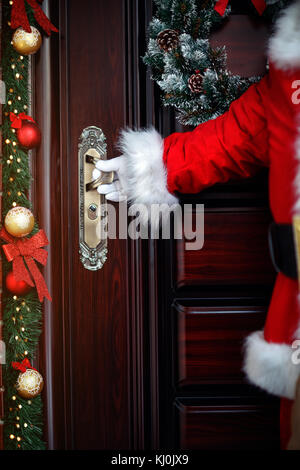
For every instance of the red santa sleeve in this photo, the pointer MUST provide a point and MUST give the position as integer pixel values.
(233, 145)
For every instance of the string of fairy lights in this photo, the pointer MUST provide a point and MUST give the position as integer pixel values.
(23, 419)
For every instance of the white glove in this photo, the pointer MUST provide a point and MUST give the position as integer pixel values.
(116, 191)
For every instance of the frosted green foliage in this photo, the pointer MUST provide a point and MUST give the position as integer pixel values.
(172, 82)
(194, 21)
(182, 14)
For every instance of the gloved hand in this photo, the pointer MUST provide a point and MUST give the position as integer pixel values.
(116, 191)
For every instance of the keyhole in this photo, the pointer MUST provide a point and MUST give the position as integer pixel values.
(92, 211)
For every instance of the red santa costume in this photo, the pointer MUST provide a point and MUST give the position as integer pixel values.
(262, 128)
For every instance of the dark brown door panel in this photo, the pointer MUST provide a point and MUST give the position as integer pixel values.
(208, 343)
(235, 251)
(227, 427)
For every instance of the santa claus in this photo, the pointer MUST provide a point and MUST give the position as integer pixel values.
(262, 128)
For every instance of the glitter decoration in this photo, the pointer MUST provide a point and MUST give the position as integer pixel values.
(19, 221)
(30, 384)
(27, 43)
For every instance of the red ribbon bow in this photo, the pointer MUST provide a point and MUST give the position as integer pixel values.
(30, 249)
(19, 16)
(16, 120)
(221, 6)
(22, 366)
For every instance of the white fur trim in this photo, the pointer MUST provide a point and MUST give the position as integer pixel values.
(284, 47)
(270, 366)
(146, 173)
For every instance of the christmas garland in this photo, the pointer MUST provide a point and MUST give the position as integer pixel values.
(22, 314)
(192, 75)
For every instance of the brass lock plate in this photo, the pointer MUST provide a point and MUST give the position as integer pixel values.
(92, 205)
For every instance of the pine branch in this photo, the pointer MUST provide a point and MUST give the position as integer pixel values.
(194, 21)
(23, 421)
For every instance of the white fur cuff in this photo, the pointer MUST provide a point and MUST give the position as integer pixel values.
(270, 366)
(146, 174)
(284, 47)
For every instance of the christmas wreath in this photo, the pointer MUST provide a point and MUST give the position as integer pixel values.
(191, 74)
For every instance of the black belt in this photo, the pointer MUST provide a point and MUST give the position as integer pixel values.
(282, 249)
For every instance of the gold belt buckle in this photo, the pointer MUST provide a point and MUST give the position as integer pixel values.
(296, 229)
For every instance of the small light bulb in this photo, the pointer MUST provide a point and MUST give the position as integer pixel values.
(15, 297)
(18, 159)
(17, 75)
(17, 309)
(25, 425)
(17, 425)
(29, 402)
(19, 193)
(13, 66)
(15, 111)
(25, 106)
(11, 179)
(16, 337)
(19, 98)
(11, 436)
(7, 141)
(22, 329)
(11, 2)
(8, 162)
(26, 353)
(13, 397)
(9, 102)
(14, 143)
(18, 170)
(20, 407)
(14, 204)
(18, 439)
(11, 157)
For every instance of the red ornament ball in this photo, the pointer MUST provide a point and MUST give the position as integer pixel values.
(29, 135)
(16, 287)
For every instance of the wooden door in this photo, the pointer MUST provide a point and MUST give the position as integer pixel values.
(86, 344)
(128, 351)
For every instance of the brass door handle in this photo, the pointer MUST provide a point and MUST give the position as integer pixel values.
(104, 178)
(92, 205)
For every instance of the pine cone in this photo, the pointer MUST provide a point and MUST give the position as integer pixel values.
(195, 83)
(168, 40)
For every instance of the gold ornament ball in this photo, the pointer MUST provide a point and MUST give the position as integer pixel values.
(30, 384)
(19, 221)
(27, 43)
